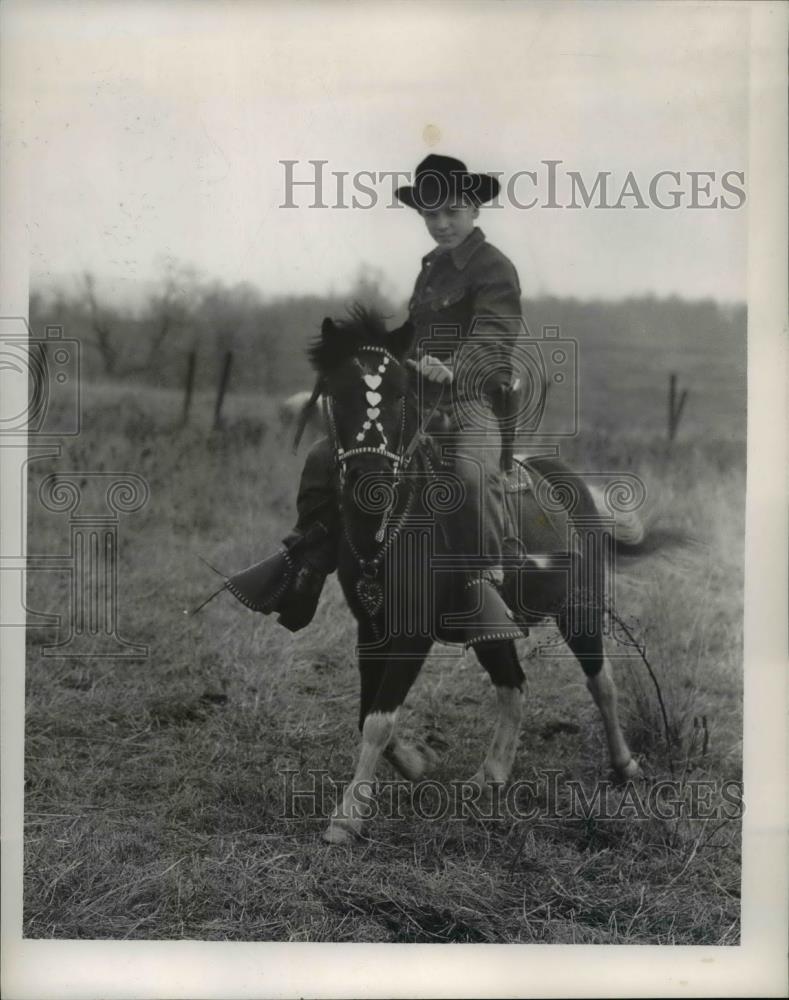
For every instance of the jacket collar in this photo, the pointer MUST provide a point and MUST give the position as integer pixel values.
(460, 255)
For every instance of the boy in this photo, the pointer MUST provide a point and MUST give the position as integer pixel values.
(466, 311)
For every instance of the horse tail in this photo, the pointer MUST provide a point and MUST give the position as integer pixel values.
(630, 530)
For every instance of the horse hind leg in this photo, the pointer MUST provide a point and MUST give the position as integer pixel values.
(603, 691)
(500, 659)
(588, 647)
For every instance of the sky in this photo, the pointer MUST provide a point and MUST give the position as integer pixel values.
(156, 131)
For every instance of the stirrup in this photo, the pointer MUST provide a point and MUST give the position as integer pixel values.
(298, 604)
(278, 584)
(261, 586)
(281, 583)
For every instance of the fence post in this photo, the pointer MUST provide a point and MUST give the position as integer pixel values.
(223, 380)
(189, 383)
(675, 406)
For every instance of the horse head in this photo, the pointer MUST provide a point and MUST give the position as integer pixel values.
(371, 415)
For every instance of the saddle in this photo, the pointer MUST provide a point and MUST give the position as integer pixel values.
(545, 529)
(531, 530)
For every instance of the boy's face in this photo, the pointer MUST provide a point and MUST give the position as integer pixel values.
(450, 223)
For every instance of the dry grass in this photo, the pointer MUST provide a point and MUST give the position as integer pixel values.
(154, 789)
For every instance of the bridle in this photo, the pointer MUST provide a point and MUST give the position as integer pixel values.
(368, 589)
(401, 457)
(343, 454)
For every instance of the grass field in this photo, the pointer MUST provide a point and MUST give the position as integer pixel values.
(154, 787)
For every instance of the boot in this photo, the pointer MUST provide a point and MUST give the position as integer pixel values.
(299, 602)
(484, 615)
(285, 582)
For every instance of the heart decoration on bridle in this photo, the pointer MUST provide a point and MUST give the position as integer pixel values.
(373, 398)
(368, 588)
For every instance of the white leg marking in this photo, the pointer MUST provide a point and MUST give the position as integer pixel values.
(498, 762)
(412, 762)
(603, 690)
(377, 733)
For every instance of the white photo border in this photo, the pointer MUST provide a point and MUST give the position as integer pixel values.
(79, 969)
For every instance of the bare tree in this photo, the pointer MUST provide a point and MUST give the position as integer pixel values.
(169, 308)
(102, 333)
(371, 289)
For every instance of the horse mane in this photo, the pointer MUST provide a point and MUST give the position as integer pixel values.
(341, 339)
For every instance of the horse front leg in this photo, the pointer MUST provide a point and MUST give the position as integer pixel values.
(413, 762)
(500, 659)
(385, 684)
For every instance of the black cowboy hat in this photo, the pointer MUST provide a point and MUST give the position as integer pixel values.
(439, 178)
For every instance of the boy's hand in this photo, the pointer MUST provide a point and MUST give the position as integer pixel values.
(431, 368)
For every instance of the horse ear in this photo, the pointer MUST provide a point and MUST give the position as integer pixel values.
(327, 327)
(400, 340)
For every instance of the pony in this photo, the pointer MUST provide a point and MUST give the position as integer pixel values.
(397, 578)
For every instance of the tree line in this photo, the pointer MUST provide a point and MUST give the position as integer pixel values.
(268, 336)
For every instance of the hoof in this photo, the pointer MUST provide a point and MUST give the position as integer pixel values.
(478, 779)
(341, 832)
(630, 771)
(487, 782)
(486, 805)
(429, 756)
